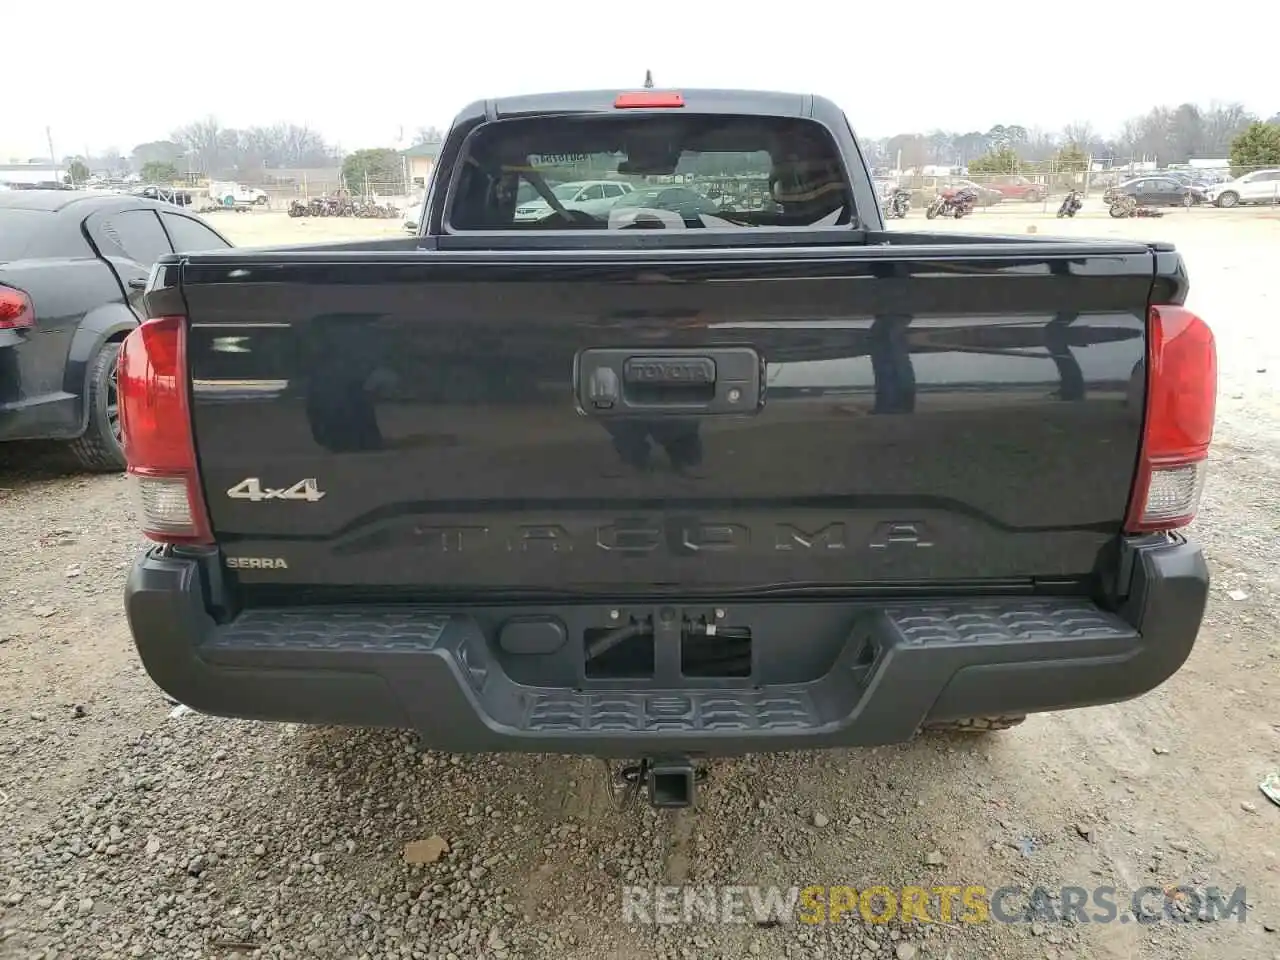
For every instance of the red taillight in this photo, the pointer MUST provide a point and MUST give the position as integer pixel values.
(155, 424)
(648, 100)
(16, 311)
(1182, 389)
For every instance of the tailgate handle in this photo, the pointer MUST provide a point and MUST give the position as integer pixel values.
(617, 382)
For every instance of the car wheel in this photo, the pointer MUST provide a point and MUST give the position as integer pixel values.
(99, 447)
(1228, 199)
(975, 725)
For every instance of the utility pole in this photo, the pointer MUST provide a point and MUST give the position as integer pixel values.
(48, 136)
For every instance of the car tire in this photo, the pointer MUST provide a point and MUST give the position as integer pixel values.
(975, 725)
(1228, 199)
(99, 448)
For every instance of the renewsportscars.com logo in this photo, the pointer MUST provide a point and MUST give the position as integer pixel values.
(971, 904)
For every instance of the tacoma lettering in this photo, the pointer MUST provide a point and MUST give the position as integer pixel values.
(629, 537)
(641, 536)
(715, 537)
(898, 533)
(549, 537)
(831, 537)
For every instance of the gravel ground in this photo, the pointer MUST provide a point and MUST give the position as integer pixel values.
(127, 831)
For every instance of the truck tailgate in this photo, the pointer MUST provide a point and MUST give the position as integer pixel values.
(466, 424)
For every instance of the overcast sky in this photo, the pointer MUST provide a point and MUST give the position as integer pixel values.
(114, 75)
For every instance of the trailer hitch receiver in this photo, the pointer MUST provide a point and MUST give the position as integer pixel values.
(671, 781)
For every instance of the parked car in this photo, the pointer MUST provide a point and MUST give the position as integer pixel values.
(578, 490)
(589, 196)
(230, 194)
(413, 214)
(688, 203)
(1156, 191)
(1213, 177)
(1260, 186)
(177, 196)
(1189, 178)
(72, 269)
(1019, 188)
(987, 196)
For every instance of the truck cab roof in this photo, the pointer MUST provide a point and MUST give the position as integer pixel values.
(746, 102)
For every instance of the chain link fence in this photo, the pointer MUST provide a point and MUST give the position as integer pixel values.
(1035, 188)
(1041, 187)
(280, 194)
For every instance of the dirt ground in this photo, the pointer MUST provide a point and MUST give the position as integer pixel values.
(128, 832)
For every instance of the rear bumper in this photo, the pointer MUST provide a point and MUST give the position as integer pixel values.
(897, 664)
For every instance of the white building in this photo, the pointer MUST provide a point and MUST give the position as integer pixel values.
(31, 173)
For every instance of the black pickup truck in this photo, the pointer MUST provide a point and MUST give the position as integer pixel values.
(673, 478)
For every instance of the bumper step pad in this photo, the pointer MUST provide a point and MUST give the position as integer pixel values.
(825, 673)
(917, 649)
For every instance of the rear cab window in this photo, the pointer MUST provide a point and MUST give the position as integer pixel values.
(685, 172)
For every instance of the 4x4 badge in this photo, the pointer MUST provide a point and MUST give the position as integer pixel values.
(251, 489)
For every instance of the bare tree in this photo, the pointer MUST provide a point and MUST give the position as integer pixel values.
(1186, 133)
(430, 134)
(203, 141)
(1040, 145)
(1165, 134)
(300, 146)
(249, 153)
(1222, 123)
(1079, 132)
(156, 151)
(1129, 143)
(911, 147)
(941, 148)
(110, 161)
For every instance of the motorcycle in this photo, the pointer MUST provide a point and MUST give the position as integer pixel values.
(897, 204)
(1128, 206)
(1071, 204)
(299, 208)
(959, 204)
